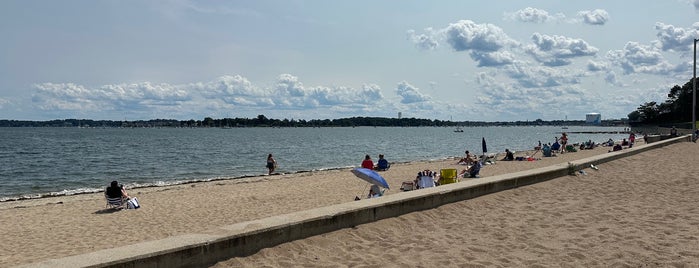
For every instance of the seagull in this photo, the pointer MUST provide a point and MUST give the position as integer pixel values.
(592, 166)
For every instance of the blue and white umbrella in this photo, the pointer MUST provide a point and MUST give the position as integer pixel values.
(370, 176)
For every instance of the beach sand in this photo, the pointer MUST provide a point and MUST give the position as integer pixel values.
(40, 229)
(639, 211)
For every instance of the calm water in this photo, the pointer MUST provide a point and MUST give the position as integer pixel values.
(37, 162)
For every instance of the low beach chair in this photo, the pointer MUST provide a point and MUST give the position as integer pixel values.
(448, 175)
(115, 203)
(425, 179)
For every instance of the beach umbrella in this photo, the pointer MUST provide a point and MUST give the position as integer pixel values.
(370, 176)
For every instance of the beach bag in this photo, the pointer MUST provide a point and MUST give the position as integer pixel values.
(132, 203)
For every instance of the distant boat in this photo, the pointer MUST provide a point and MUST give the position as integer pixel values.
(458, 129)
(564, 127)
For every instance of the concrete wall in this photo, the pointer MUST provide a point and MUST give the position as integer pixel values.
(246, 238)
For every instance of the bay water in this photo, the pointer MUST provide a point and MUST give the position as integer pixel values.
(40, 162)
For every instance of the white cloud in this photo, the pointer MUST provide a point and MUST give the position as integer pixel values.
(223, 93)
(534, 15)
(596, 66)
(696, 5)
(515, 100)
(410, 93)
(424, 41)
(594, 17)
(529, 76)
(468, 35)
(556, 50)
(671, 38)
(611, 78)
(638, 58)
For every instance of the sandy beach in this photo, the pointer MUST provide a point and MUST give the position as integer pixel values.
(566, 218)
(640, 211)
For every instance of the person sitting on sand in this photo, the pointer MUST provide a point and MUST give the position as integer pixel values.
(468, 160)
(509, 156)
(546, 150)
(382, 164)
(538, 147)
(367, 163)
(610, 142)
(617, 147)
(624, 142)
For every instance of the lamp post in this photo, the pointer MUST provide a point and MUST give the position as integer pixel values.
(694, 89)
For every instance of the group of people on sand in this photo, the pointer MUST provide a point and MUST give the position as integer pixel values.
(381, 165)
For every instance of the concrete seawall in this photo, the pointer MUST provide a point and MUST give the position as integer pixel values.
(245, 238)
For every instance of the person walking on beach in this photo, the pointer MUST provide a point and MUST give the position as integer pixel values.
(271, 164)
(564, 142)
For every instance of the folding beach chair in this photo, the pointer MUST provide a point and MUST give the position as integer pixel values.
(425, 179)
(447, 176)
(115, 203)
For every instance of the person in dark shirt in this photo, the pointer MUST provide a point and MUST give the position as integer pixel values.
(115, 191)
(509, 156)
(382, 164)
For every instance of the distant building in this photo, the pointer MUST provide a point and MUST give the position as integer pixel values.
(400, 115)
(593, 118)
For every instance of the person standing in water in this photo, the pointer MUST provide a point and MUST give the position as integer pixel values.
(271, 164)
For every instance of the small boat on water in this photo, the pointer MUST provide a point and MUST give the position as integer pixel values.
(459, 129)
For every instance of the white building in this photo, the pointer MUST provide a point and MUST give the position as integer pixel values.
(593, 118)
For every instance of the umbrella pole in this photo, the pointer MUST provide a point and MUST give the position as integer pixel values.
(363, 190)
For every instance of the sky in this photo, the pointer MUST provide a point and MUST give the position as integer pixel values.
(314, 59)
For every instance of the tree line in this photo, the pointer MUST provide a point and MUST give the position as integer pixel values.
(675, 110)
(263, 121)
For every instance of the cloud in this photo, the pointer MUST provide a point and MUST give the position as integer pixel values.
(3, 102)
(594, 17)
(528, 76)
(696, 5)
(410, 94)
(69, 96)
(611, 78)
(596, 66)
(467, 35)
(671, 38)
(556, 50)
(423, 41)
(492, 59)
(533, 15)
(638, 58)
(507, 97)
(229, 92)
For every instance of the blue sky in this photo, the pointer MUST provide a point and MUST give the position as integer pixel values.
(460, 60)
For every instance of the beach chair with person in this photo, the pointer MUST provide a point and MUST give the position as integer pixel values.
(425, 179)
(473, 171)
(375, 191)
(116, 196)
